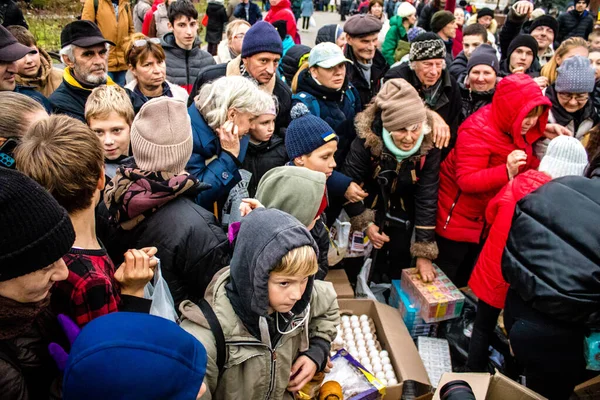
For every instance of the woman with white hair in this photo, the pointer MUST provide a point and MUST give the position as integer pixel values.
(221, 116)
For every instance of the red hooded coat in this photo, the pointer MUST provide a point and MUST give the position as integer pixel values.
(475, 170)
(486, 280)
(283, 11)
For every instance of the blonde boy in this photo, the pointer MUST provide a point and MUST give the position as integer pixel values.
(109, 113)
(277, 321)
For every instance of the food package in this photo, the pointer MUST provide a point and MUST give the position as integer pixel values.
(439, 300)
(435, 354)
(411, 313)
(356, 382)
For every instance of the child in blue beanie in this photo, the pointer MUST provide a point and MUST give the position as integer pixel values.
(278, 322)
(134, 356)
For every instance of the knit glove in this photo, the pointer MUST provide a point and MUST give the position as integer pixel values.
(57, 352)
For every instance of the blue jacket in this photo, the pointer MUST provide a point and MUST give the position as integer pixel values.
(307, 8)
(254, 14)
(37, 96)
(222, 172)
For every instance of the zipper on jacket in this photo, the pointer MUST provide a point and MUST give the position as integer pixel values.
(452, 209)
(187, 68)
(273, 361)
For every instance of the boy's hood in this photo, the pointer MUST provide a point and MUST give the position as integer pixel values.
(265, 237)
(297, 191)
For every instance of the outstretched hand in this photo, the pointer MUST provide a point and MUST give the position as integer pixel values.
(302, 372)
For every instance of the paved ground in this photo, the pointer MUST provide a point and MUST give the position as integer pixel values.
(322, 18)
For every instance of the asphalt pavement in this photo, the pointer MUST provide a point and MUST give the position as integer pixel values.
(321, 18)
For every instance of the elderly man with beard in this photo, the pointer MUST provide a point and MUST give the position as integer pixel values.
(85, 53)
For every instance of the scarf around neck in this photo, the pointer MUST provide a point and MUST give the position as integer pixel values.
(17, 318)
(400, 155)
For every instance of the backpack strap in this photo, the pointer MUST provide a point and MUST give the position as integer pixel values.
(215, 327)
(309, 101)
(96, 8)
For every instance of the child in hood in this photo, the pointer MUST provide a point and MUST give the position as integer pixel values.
(277, 321)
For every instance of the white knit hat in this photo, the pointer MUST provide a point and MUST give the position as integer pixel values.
(161, 136)
(565, 156)
(406, 9)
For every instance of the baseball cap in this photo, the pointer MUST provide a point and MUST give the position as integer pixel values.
(82, 34)
(10, 49)
(326, 55)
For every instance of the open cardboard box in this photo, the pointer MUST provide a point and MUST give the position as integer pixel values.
(490, 387)
(589, 390)
(341, 284)
(394, 337)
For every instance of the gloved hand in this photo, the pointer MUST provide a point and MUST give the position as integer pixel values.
(57, 352)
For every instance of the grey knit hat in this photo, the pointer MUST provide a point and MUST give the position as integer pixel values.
(565, 156)
(575, 75)
(161, 136)
(427, 46)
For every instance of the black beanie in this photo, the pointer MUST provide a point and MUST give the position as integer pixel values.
(36, 231)
(485, 12)
(545, 20)
(525, 41)
(440, 19)
(483, 55)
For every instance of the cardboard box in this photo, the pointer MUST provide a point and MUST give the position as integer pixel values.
(394, 337)
(589, 390)
(341, 284)
(490, 387)
(438, 300)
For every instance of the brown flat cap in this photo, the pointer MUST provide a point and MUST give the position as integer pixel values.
(362, 24)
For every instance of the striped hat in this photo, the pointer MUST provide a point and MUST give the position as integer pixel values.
(427, 46)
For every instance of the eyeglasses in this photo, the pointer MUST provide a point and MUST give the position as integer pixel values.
(146, 42)
(580, 98)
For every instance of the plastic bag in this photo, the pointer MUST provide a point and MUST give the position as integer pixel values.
(158, 291)
(592, 351)
(374, 291)
(312, 23)
(338, 239)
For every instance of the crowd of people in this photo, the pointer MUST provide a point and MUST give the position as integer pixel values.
(443, 137)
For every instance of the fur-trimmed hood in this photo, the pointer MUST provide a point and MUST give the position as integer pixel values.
(492, 28)
(374, 141)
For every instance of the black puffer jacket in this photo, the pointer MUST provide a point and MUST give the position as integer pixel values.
(291, 62)
(551, 257)
(281, 91)
(366, 90)
(184, 65)
(12, 14)
(458, 68)
(217, 17)
(260, 158)
(426, 15)
(414, 194)
(574, 24)
(27, 372)
(473, 101)
(448, 105)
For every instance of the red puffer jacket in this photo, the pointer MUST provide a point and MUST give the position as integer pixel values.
(475, 170)
(283, 11)
(486, 280)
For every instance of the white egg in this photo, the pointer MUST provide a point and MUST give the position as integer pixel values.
(389, 375)
(338, 341)
(366, 328)
(362, 355)
(362, 348)
(352, 350)
(356, 331)
(345, 318)
(375, 360)
(368, 367)
(361, 342)
(353, 318)
(383, 354)
(385, 360)
(384, 382)
(364, 360)
(373, 354)
(377, 367)
(348, 331)
(364, 317)
(370, 343)
(350, 343)
(392, 381)
(380, 375)
(349, 337)
(368, 335)
(346, 324)
(388, 367)
(355, 324)
(359, 336)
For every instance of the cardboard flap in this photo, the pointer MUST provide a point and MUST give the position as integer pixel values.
(409, 362)
(479, 382)
(588, 390)
(502, 387)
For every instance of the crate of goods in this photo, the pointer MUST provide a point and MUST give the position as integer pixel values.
(439, 300)
(410, 313)
(435, 354)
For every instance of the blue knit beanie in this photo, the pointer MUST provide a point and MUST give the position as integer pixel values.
(261, 37)
(575, 75)
(306, 133)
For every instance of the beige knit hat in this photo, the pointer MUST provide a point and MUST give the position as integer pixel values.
(400, 105)
(161, 136)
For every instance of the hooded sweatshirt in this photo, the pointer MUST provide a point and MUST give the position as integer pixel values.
(239, 298)
(121, 355)
(48, 78)
(299, 192)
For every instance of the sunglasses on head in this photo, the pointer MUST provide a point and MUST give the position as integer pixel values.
(146, 42)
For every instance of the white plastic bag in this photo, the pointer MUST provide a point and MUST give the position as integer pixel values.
(158, 291)
(312, 22)
(374, 291)
(338, 239)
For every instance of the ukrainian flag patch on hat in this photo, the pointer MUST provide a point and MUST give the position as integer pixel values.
(327, 136)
